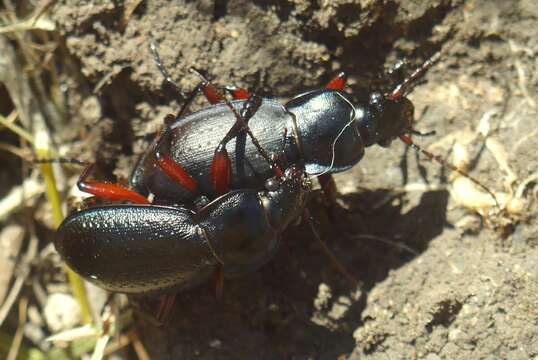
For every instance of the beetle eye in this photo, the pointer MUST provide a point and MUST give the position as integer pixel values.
(272, 184)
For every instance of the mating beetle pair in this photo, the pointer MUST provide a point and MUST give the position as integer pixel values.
(225, 182)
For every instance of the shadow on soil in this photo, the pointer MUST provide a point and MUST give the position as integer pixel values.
(268, 314)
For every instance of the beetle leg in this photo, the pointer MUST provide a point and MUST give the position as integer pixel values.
(251, 105)
(326, 181)
(162, 69)
(354, 282)
(221, 170)
(218, 275)
(221, 166)
(108, 191)
(218, 278)
(238, 93)
(338, 82)
(170, 167)
(166, 307)
(210, 91)
(189, 98)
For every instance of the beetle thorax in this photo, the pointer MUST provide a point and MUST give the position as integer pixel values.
(326, 130)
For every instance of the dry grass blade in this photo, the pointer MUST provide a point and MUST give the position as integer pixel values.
(17, 339)
(139, 348)
(29, 24)
(101, 335)
(11, 238)
(83, 332)
(17, 84)
(19, 281)
(19, 195)
(35, 22)
(130, 7)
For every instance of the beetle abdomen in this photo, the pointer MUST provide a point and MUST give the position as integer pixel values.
(136, 249)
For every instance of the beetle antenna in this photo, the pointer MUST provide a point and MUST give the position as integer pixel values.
(406, 86)
(409, 142)
(162, 69)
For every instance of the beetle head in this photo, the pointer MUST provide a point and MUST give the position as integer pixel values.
(390, 115)
(386, 119)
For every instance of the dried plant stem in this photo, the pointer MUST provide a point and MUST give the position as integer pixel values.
(18, 86)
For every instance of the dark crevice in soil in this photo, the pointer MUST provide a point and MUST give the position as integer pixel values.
(220, 9)
(282, 8)
(119, 103)
(421, 29)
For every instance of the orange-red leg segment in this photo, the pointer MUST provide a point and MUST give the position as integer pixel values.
(221, 171)
(108, 191)
(176, 172)
(338, 82)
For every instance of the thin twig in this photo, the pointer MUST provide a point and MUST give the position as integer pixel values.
(18, 196)
(17, 339)
(19, 281)
(11, 238)
(9, 123)
(139, 348)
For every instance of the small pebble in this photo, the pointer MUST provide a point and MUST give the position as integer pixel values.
(62, 312)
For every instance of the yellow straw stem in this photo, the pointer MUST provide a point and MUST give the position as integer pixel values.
(77, 285)
(8, 123)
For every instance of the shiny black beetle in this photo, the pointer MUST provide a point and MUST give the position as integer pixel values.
(225, 182)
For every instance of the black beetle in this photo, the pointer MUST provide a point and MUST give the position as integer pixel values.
(211, 210)
(153, 248)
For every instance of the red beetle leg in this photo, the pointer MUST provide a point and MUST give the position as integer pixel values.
(108, 191)
(176, 172)
(211, 93)
(328, 186)
(221, 171)
(239, 93)
(218, 278)
(166, 307)
(338, 82)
